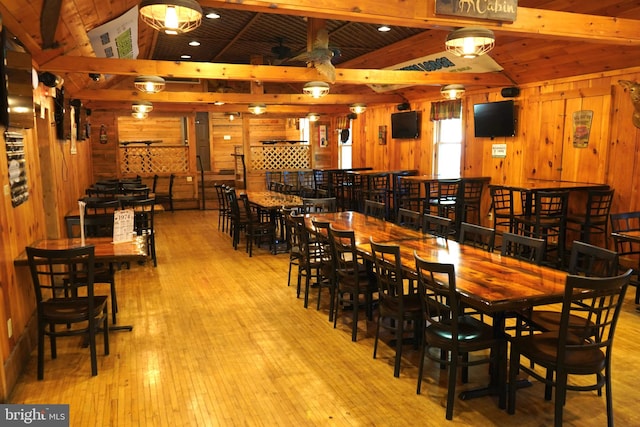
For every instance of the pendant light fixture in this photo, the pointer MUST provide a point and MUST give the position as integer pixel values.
(313, 117)
(171, 16)
(257, 109)
(142, 107)
(316, 89)
(358, 108)
(149, 84)
(452, 91)
(470, 42)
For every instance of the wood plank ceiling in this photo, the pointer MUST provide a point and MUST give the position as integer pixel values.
(540, 45)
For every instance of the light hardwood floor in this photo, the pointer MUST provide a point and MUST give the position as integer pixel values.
(220, 340)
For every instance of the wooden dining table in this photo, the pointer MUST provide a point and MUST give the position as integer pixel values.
(486, 281)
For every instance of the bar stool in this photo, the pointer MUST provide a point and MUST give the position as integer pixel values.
(471, 198)
(548, 222)
(502, 208)
(595, 219)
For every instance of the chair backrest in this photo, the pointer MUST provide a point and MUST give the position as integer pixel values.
(375, 209)
(271, 177)
(307, 192)
(501, 202)
(100, 205)
(388, 270)
(223, 203)
(622, 222)
(551, 204)
(55, 270)
(437, 288)
(345, 254)
(437, 225)
(234, 206)
(598, 301)
(291, 221)
(143, 214)
(525, 248)
(472, 190)
(409, 219)
(592, 261)
(599, 205)
(94, 226)
(477, 236)
(325, 204)
(407, 194)
(448, 190)
(105, 191)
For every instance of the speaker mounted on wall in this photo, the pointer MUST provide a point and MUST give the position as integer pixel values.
(510, 92)
(404, 106)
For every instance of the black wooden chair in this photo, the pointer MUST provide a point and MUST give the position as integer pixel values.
(57, 276)
(477, 236)
(628, 249)
(456, 334)
(375, 209)
(398, 304)
(575, 349)
(354, 281)
(437, 226)
(143, 223)
(593, 219)
(317, 205)
(164, 196)
(408, 218)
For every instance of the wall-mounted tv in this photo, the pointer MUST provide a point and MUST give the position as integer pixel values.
(16, 88)
(494, 119)
(405, 125)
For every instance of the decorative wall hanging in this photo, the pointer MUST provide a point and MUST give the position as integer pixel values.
(322, 135)
(582, 128)
(382, 135)
(634, 92)
(14, 142)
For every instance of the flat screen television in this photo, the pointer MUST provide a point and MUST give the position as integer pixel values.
(405, 125)
(16, 88)
(494, 119)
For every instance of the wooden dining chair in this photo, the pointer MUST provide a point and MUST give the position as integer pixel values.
(575, 349)
(57, 274)
(355, 283)
(375, 209)
(144, 222)
(399, 303)
(317, 205)
(628, 249)
(437, 226)
(456, 334)
(408, 218)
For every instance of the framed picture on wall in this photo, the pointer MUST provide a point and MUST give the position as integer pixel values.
(322, 135)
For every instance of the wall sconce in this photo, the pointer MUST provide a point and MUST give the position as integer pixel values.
(171, 16)
(50, 80)
(233, 116)
(139, 115)
(358, 108)
(470, 42)
(316, 89)
(142, 107)
(257, 108)
(149, 84)
(313, 117)
(452, 91)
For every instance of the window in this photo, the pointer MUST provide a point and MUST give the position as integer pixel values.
(447, 147)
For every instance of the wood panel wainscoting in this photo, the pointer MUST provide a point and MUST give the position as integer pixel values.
(219, 339)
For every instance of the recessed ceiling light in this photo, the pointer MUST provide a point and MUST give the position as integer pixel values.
(384, 28)
(185, 56)
(212, 15)
(194, 43)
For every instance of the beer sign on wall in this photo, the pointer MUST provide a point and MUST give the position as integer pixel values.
(497, 10)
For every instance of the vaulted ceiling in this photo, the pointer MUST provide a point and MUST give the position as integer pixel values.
(241, 60)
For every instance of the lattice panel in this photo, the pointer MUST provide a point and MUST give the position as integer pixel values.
(280, 157)
(145, 160)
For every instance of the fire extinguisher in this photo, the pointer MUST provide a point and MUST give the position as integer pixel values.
(103, 134)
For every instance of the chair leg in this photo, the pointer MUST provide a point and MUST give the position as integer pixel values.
(105, 331)
(92, 349)
(40, 351)
(421, 364)
(354, 323)
(114, 302)
(399, 335)
(451, 386)
(375, 341)
(561, 395)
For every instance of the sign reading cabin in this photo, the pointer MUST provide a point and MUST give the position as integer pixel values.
(499, 10)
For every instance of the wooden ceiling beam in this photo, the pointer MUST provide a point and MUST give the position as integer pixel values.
(264, 73)
(114, 95)
(530, 22)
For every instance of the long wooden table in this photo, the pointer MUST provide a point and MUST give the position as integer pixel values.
(486, 281)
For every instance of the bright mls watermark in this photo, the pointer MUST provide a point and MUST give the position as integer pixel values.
(34, 415)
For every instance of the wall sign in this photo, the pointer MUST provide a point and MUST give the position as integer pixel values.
(17, 171)
(499, 151)
(582, 128)
(322, 135)
(497, 10)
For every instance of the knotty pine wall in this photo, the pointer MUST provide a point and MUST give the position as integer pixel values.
(56, 178)
(543, 145)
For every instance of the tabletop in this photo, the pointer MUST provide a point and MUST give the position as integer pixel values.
(631, 235)
(273, 199)
(549, 185)
(486, 281)
(105, 249)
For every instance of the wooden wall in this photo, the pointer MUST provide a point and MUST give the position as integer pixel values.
(56, 178)
(543, 145)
